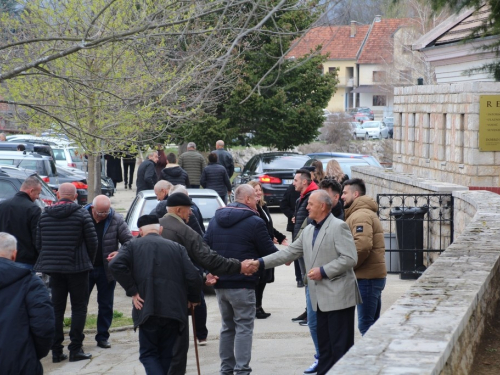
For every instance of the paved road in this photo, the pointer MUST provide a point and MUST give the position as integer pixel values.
(280, 347)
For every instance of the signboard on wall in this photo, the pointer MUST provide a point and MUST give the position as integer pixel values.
(489, 123)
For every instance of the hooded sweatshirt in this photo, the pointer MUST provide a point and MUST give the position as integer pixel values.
(236, 231)
(368, 235)
(66, 239)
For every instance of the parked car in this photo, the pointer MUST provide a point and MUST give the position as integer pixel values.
(12, 178)
(328, 155)
(274, 170)
(107, 187)
(362, 110)
(361, 118)
(372, 129)
(70, 156)
(42, 164)
(51, 141)
(207, 200)
(41, 149)
(345, 163)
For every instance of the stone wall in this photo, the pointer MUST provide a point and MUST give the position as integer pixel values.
(436, 326)
(436, 131)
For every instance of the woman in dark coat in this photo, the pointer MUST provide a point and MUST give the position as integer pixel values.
(266, 276)
(114, 168)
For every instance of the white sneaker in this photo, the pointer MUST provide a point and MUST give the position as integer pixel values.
(312, 369)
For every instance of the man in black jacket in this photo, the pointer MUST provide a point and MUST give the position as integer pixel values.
(19, 216)
(111, 231)
(67, 242)
(26, 317)
(146, 174)
(175, 229)
(224, 158)
(237, 231)
(334, 190)
(161, 270)
(173, 173)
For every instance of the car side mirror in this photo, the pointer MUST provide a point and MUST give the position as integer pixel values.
(237, 169)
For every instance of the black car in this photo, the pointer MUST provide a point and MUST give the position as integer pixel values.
(11, 180)
(274, 170)
(362, 110)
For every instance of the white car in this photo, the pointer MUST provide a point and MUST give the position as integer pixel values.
(207, 200)
(70, 156)
(371, 129)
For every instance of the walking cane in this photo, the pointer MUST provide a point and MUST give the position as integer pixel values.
(195, 342)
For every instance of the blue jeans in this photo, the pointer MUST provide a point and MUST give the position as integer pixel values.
(157, 338)
(369, 310)
(237, 308)
(105, 298)
(312, 321)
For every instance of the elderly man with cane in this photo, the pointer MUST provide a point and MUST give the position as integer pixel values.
(162, 282)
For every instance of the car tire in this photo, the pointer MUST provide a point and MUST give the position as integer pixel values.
(367, 137)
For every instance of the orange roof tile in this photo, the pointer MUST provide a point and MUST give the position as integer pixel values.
(379, 46)
(335, 40)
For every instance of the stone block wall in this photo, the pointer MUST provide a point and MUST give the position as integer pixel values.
(436, 131)
(436, 326)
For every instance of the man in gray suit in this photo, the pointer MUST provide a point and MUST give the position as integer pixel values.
(330, 254)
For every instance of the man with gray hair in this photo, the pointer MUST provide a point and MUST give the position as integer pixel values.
(111, 231)
(193, 163)
(330, 255)
(224, 158)
(237, 231)
(19, 216)
(26, 317)
(146, 173)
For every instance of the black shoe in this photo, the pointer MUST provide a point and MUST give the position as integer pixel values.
(56, 358)
(105, 344)
(301, 317)
(125, 186)
(261, 314)
(79, 356)
(300, 284)
(130, 187)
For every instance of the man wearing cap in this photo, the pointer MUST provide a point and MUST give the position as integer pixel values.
(175, 229)
(162, 282)
(193, 163)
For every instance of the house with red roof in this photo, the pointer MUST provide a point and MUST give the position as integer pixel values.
(363, 58)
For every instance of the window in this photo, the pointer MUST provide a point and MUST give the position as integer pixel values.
(333, 70)
(378, 76)
(379, 100)
(405, 75)
(7, 190)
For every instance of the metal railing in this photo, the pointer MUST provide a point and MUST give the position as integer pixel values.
(417, 227)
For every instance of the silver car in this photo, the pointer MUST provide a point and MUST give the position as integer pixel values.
(207, 200)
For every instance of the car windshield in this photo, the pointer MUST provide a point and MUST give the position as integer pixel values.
(283, 162)
(207, 205)
(371, 124)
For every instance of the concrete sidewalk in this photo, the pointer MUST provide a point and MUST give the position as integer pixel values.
(280, 347)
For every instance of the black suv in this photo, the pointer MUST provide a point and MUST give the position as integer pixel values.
(11, 180)
(274, 170)
(364, 110)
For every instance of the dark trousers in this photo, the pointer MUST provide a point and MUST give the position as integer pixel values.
(200, 318)
(105, 298)
(77, 285)
(157, 338)
(298, 272)
(335, 336)
(259, 294)
(128, 166)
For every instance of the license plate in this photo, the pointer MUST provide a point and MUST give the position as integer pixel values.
(287, 182)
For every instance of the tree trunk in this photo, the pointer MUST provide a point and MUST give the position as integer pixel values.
(94, 177)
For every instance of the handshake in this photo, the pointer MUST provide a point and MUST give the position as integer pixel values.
(248, 268)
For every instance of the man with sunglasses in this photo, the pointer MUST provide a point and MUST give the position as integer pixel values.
(111, 231)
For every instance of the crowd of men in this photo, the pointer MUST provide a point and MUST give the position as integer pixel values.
(341, 263)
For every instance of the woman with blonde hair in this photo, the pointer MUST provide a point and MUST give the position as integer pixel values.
(319, 175)
(334, 171)
(266, 276)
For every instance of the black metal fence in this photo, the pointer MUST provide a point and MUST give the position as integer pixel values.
(417, 227)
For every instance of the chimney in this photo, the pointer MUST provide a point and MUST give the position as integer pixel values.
(378, 18)
(353, 29)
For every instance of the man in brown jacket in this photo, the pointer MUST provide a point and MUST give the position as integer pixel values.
(361, 216)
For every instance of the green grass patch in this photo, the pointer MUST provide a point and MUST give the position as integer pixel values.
(91, 323)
